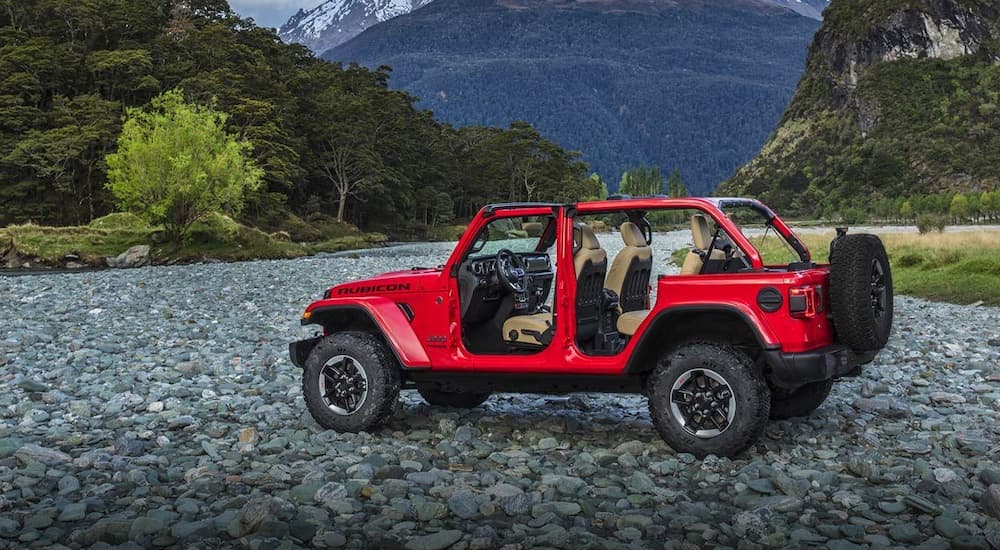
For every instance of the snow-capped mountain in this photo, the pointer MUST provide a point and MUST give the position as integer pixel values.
(336, 21)
(809, 8)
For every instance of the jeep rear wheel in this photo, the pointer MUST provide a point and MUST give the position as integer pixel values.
(861, 292)
(350, 382)
(458, 400)
(801, 402)
(708, 399)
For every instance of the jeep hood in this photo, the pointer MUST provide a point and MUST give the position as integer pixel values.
(393, 282)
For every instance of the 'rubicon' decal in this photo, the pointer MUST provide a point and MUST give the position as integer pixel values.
(373, 289)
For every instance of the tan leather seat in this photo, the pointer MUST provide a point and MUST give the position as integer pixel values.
(591, 263)
(586, 248)
(701, 236)
(630, 272)
(629, 322)
(532, 330)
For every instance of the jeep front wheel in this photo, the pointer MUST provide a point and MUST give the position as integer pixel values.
(350, 382)
(458, 400)
(708, 399)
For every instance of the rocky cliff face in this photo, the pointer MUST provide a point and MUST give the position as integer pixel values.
(934, 29)
(879, 72)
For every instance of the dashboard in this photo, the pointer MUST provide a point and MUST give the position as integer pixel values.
(482, 292)
(487, 266)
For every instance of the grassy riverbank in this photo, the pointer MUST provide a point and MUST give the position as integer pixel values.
(216, 238)
(961, 267)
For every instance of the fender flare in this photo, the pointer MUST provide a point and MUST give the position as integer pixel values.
(648, 345)
(382, 315)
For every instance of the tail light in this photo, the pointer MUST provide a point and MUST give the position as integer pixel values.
(805, 302)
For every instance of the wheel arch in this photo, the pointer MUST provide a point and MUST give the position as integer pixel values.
(386, 321)
(679, 325)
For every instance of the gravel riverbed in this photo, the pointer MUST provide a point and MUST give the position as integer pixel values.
(156, 408)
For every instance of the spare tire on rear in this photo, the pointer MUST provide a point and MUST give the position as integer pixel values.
(861, 291)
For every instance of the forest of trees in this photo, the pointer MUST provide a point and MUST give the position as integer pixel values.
(687, 84)
(331, 140)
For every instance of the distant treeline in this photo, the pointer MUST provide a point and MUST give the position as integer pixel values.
(935, 209)
(330, 139)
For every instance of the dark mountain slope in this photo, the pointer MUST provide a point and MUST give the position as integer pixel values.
(899, 97)
(692, 84)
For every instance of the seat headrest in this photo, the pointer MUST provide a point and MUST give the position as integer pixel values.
(700, 232)
(632, 235)
(584, 238)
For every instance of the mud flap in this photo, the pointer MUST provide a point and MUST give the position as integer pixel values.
(299, 351)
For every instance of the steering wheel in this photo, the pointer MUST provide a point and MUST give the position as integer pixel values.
(511, 271)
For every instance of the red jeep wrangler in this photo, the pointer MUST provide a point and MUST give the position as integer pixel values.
(529, 301)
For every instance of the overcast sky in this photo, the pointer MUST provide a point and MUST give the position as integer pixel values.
(271, 13)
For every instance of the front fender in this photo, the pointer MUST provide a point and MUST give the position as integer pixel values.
(374, 313)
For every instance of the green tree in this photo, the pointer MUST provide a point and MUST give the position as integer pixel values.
(642, 182)
(906, 210)
(675, 185)
(176, 163)
(959, 208)
(988, 204)
(599, 189)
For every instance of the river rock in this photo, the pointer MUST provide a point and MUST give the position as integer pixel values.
(434, 541)
(233, 458)
(136, 256)
(991, 501)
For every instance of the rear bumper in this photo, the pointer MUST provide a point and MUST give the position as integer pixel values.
(792, 370)
(299, 351)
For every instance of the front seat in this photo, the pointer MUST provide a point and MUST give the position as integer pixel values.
(701, 235)
(591, 264)
(630, 272)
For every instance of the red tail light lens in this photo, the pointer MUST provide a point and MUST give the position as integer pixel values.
(805, 302)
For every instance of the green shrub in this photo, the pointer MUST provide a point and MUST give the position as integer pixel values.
(908, 259)
(119, 221)
(853, 216)
(300, 230)
(213, 228)
(931, 222)
(445, 233)
(981, 265)
(935, 258)
(330, 228)
(351, 242)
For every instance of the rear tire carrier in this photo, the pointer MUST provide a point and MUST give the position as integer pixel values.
(861, 299)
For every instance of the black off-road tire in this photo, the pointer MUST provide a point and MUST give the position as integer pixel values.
(801, 402)
(751, 392)
(382, 373)
(853, 296)
(458, 400)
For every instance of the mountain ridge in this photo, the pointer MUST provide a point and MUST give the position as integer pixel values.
(335, 22)
(670, 86)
